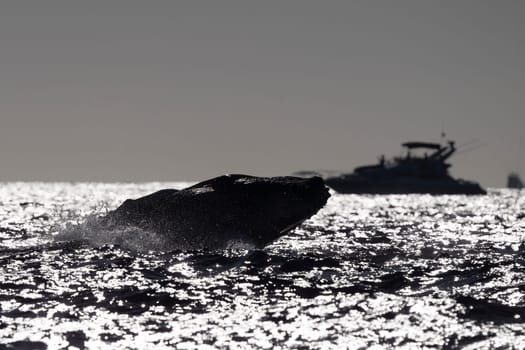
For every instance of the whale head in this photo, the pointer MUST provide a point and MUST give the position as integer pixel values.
(266, 208)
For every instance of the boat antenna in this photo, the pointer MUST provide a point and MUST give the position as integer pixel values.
(471, 148)
(469, 143)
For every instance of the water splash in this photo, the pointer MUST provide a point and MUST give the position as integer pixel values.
(127, 237)
(133, 238)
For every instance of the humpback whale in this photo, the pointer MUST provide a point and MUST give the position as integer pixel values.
(225, 209)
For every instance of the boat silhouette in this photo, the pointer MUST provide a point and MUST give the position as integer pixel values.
(514, 181)
(422, 169)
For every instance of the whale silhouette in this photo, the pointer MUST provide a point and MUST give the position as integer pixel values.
(225, 209)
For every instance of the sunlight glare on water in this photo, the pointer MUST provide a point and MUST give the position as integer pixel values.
(404, 271)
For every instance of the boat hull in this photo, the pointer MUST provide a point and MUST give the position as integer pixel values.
(360, 185)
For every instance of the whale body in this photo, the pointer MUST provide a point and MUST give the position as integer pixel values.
(215, 212)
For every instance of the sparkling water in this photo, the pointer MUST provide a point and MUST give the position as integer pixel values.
(367, 272)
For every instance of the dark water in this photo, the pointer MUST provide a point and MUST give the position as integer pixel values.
(412, 272)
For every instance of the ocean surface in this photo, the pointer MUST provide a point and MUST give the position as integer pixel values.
(367, 272)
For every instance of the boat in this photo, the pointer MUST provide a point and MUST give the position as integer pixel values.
(514, 181)
(422, 169)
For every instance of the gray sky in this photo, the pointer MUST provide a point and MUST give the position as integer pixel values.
(186, 90)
